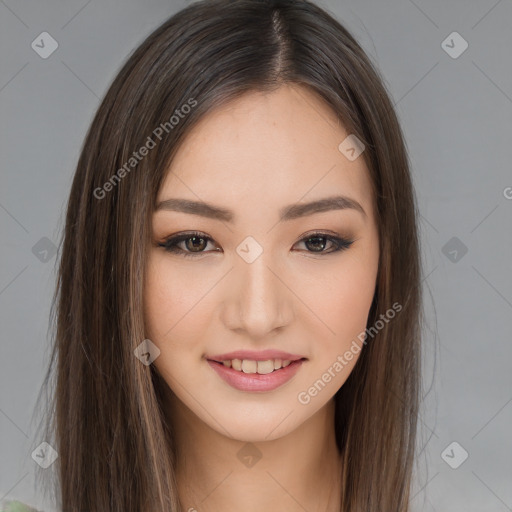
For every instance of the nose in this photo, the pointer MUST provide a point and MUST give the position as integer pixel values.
(259, 302)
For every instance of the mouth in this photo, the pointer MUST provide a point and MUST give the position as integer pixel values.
(252, 366)
(261, 362)
(251, 371)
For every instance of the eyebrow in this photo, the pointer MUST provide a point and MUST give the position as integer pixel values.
(290, 212)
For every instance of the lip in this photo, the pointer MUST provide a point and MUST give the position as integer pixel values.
(262, 355)
(253, 382)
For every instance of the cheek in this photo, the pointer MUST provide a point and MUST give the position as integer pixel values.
(342, 302)
(170, 299)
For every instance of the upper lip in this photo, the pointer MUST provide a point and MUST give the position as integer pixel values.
(262, 355)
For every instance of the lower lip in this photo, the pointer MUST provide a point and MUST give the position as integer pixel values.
(254, 381)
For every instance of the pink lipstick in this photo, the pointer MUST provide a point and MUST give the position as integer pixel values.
(256, 370)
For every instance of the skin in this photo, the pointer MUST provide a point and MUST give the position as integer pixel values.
(255, 156)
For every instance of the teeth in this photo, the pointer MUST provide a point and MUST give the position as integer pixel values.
(249, 366)
(260, 367)
(265, 367)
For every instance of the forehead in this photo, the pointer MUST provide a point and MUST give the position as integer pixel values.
(264, 150)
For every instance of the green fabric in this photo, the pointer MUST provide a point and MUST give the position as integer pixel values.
(16, 506)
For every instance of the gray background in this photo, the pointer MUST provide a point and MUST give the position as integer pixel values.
(457, 118)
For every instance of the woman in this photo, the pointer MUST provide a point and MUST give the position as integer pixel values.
(238, 301)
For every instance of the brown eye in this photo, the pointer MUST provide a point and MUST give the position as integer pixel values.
(317, 242)
(194, 244)
(197, 244)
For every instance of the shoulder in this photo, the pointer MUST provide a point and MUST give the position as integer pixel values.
(16, 506)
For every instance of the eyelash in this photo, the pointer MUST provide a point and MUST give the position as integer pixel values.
(170, 244)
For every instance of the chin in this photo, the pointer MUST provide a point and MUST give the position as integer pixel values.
(259, 432)
(255, 423)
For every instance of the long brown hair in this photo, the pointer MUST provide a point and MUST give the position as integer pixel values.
(106, 419)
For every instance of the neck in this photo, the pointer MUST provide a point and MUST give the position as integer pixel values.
(299, 471)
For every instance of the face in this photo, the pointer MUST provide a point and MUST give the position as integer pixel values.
(254, 299)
